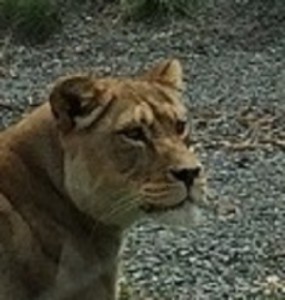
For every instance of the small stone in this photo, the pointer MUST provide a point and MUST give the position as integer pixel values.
(79, 49)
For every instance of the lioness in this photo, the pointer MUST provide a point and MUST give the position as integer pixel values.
(80, 169)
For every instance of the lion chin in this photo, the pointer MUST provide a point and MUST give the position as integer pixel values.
(185, 213)
(186, 216)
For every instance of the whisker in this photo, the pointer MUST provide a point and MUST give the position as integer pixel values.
(123, 208)
(155, 195)
(123, 205)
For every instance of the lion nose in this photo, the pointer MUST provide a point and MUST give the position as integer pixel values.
(186, 175)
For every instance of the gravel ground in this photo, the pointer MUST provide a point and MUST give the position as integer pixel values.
(234, 60)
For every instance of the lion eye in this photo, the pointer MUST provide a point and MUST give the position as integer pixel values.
(180, 127)
(136, 134)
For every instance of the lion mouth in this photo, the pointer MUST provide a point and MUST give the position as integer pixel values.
(152, 208)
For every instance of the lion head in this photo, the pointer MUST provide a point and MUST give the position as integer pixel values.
(127, 146)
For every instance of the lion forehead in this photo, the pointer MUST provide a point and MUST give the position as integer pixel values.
(145, 103)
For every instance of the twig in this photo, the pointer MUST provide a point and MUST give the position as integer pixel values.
(275, 142)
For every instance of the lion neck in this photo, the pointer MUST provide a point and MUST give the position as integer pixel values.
(35, 142)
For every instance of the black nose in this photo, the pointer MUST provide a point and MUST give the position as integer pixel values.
(186, 175)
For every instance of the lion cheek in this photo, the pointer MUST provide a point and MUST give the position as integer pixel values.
(80, 185)
(100, 197)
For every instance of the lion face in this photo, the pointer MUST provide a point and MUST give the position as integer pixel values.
(127, 146)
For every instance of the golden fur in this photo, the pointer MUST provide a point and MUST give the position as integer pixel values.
(75, 173)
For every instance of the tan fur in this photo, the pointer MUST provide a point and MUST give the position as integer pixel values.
(82, 168)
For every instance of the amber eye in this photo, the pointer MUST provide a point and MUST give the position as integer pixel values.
(136, 134)
(180, 127)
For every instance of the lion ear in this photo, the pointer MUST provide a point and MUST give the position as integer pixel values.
(167, 72)
(76, 102)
